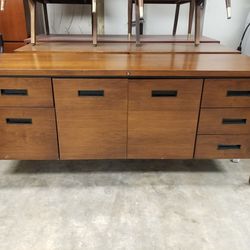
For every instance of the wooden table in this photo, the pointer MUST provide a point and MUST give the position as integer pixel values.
(124, 106)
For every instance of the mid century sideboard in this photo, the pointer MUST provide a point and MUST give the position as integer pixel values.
(124, 106)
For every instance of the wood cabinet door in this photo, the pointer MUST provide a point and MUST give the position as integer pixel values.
(92, 118)
(162, 118)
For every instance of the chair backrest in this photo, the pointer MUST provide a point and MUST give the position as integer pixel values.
(1, 43)
(165, 1)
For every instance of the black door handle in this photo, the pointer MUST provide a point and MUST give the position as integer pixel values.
(21, 92)
(90, 92)
(235, 93)
(18, 121)
(229, 147)
(234, 121)
(164, 93)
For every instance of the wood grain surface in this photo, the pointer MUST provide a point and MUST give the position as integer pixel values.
(92, 127)
(226, 93)
(38, 92)
(218, 147)
(34, 141)
(225, 121)
(162, 127)
(122, 65)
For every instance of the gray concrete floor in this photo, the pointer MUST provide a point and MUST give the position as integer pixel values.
(134, 205)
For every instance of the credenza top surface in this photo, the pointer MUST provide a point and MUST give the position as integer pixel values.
(121, 65)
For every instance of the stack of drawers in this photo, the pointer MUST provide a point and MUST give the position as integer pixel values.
(27, 119)
(224, 126)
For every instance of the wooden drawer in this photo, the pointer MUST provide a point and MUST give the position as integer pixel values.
(26, 92)
(94, 94)
(28, 134)
(222, 146)
(92, 134)
(224, 121)
(167, 94)
(161, 134)
(226, 93)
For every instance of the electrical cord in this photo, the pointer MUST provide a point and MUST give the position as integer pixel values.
(242, 38)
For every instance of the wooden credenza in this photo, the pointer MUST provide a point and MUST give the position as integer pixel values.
(50, 108)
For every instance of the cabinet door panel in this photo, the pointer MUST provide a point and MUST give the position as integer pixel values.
(162, 119)
(92, 118)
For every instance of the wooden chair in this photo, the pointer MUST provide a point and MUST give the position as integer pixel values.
(178, 4)
(32, 5)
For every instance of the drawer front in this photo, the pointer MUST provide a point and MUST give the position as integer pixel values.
(167, 94)
(97, 134)
(224, 121)
(94, 94)
(222, 146)
(26, 92)
(28, 134)
(226, 93)
(161, 134)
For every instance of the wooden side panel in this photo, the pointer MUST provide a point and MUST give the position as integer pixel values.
(28, 134)
(222, 147)
(225, 121)
(226, 93)
(26, 92)
(163, 126)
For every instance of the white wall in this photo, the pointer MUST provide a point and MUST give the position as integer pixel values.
(159, 19)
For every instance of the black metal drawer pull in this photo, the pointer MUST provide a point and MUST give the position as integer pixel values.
(90, 92)
(234, 121)
(19, 121)
(22, 92)
(229, 147)
(164, 93)
(238, 93)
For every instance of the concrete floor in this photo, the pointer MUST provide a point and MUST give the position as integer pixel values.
(132, 205)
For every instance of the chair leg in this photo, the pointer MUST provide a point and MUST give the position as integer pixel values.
(177, 11)
(130, 17)
(94, 22)
(203, 10)
(46, 19)
(137, 23)
(32, 6)
(197, 24)
(191, 17)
